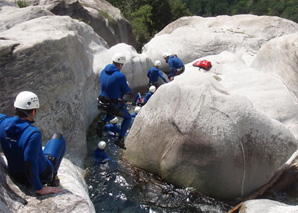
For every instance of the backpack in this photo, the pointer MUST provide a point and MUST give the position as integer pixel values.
(206, 65)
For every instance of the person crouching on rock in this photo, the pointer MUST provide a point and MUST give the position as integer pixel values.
(176, 65)
(113, 86)
(154, 73)
(22, 146)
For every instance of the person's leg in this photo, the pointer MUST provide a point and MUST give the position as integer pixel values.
(54, 150)
(101, 124)
(125, 123)
(124, 127)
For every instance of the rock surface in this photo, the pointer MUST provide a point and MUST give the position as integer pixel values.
(207, 138)
(268, 206)
(106, 20)
(53, 57)
(206, 134)
(224, 110)
(196, 37)
(19, 198)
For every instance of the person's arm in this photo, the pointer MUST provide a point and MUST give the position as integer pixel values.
(162, 77)
(125, 89)
(148, 73)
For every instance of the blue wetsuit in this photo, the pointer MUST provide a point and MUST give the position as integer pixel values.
(147, 96)
(100, 156)
(175, 64)
(139, 99)
(153, 74)
(114, 86)
(112, 129)
(22, 146)
(133, 115)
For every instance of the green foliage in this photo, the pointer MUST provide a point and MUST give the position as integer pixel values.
(111, 21)
(141, 22)
(148, 17)
(22, 3)
(283, 8)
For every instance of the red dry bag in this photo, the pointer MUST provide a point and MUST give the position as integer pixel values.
(203, 64)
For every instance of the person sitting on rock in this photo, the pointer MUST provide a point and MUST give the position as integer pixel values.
(21, 143)
(99, 154)
(113, 87)
(154, 73)
(148, 95)
(112, 128)
(176, 65)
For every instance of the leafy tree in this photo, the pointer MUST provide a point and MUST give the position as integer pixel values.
(141, 22)
(148, 17)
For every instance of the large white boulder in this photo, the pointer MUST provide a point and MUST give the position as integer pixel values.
(268, 92)
(268, 206)
(53, 57)
(105, 19)
(194, 133)
(195, 37)
(11, 15)
(279, 58)
(19, 198)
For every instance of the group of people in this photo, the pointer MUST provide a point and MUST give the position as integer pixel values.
(31, 164)
(114, 87)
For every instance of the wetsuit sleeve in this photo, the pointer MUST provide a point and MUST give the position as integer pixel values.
(31, 154)
(147, 96)
(148, 74)
(2, 117)
(124, 86)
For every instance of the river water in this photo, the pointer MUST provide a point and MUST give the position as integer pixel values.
(117, 186)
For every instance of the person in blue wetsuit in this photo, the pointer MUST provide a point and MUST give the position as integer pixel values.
(154, 73)
(148, 95)
(22, 147)
(113, 87)
(112, 128)
(100, 156)
(138, 99)
(135, 113)
(176, 65)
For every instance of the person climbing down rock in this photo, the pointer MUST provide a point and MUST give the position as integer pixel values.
(176, 65)
(154, 73)
(114, 86)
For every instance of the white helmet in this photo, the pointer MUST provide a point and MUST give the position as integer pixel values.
(101, 145)
(157, 63)
(119, 58)
(114, 120)
(137, 109)
(26, 100)
(152, 89)
(164, 55)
